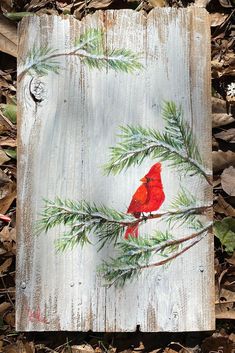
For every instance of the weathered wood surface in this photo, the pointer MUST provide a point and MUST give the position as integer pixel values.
(63, 141)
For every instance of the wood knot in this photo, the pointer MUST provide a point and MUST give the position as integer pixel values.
(37, 90)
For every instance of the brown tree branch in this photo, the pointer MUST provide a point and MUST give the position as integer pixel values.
(172, 242)
(192, 210)
(178, 253)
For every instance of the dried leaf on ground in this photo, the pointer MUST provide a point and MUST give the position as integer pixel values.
(6, 264)
(225, 294)
(157, 3)
(5, 82)
(232, 337)
(4, 307)
(11, 348)
(8, 36)
(4, 179)
(9, 111)
(22, 347)
(99, 4)
(215, 144)
(226, 135)
(9, 318)
(217, 18)
(221, 67)
(225, 311)
(222, 160)
(6, 201)
(65, 7)
(8, 234)
(216, 345)
(5, 190)
(228, 283)
(218, 105)
(225, 231)
(36, 4)
(8, 142)
(216, 183)
(84, 348)
(6, 122)
(221, 119)
(231, 99)
(201, 3)
(169, 350)
(231, 260)
(226, 3)
(224, 207)
(3, 157)
(228, 181)
(6, 5)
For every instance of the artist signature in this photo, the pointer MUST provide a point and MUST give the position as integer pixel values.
(36, 315)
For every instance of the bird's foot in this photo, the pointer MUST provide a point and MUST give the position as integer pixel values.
(144, 217)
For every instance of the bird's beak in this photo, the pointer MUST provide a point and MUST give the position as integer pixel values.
(144, 179)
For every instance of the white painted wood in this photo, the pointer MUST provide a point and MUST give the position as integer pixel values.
(64, 140)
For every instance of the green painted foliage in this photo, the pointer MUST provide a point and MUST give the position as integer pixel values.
(41, 61)
(82, 219)
(90, 49)
(176, 144)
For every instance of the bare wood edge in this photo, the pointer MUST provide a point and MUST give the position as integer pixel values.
(193, 9)
(207, 88)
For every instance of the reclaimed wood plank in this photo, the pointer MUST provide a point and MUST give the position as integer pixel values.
(67, 123)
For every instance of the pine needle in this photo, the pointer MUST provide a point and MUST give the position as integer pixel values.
(176, 145)
(41, 61)
(184, 209)
(89, 48)
(82, 219)
(135, 255)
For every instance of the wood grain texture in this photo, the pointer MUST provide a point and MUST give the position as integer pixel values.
(63, 141)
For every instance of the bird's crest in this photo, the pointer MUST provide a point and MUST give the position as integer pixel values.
(155, 169)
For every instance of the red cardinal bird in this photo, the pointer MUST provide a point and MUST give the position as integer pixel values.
(147, 198)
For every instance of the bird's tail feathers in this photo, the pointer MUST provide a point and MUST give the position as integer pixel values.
(132, 231)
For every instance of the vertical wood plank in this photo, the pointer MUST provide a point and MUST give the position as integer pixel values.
(64, 139)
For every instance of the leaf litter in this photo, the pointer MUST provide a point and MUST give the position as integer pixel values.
(223, 119)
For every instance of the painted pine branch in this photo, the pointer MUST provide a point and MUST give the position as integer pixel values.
(176, 144)
(118, 60)
(82, 219)
(135, 254)
(89, 48)
(185, 209)
(106, 224)
(40, 61)
(90, 40)
(180, 132)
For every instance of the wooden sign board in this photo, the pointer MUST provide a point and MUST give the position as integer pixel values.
(114, 193)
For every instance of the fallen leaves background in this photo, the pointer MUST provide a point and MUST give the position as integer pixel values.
(222, 13)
